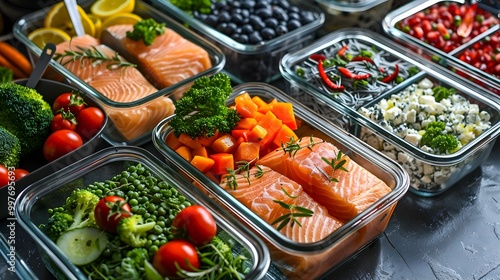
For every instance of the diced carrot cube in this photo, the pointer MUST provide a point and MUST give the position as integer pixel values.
(201, 151)
(284, 135)
(185, 152)
(222, 162)
(240, 133)
(257, 134)
(224, 144)
(192, 143)
(204, 164)
(272, 125)
(284, 112)
(247, 151)
(207, 141)
(246, 123)
(172, 141)
(245, 106)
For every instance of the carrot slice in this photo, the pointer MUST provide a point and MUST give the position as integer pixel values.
(17, 58)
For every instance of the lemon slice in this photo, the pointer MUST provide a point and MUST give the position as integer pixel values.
(44, 35)
(121, 18)
(106, 8)
(58, 17)
(97, 24)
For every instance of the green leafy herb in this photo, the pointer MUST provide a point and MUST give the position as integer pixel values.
(335, 61)
(93, 54)
(336, 163)
(366, 53)
(295, 212)
(441, 92)
(189, 6)
(435, 136)
(293, 146)
(146, 30)
(244, 170)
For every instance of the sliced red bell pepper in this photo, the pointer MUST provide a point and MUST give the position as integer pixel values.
(362, 58)
(392, 76)
(317, 57)
(326, 79)
(346, 72)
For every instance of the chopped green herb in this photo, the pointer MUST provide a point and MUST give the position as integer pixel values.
(295, 212)
(146, 30)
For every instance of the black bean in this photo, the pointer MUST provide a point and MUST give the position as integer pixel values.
(267, 33)
(212, 20)
(246, 29)
(271, 22)
(237, 18)
(248, 4)
(224, 16)
(293, 24)
(294, 16)
(242, 38)
(281, 29)
(254, 38)
(280, 14)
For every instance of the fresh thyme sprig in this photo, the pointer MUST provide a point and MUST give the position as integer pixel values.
(243, 167)
(96, 56)
(293, 146)
(336, 163)
(295, 212)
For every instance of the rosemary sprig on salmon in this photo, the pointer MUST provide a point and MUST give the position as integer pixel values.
(93, 54)
(335, 163)
(243, 167)
(295, 212)
(293, 146)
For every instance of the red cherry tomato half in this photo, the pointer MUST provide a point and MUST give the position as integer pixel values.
(69, 101)
(109, 211)
(4, 176)
(90, 121)
(63, 120)
(176, 251)
(20, 173)
(60, 143)
(196, 224)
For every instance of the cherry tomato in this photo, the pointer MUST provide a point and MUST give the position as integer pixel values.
(196, 224)
(109, 211)
(4, 176)
(176, 251)
(63, 120)
(60, 143)
(90, 121)
(69, 101)
(20, 173)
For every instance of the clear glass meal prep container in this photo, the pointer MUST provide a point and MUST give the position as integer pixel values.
(33, 203)
(328, 253)
(464, 160)
(450, 59)
(35, 20)
(247, 62)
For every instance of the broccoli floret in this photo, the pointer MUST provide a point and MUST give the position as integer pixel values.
(81, 203)
(6, 75)
(25, 114)
(189, 6)
(132, 230)
(435, 137)
(57, 224)
(146, 30)
(202, 110)
(441, 93)
(10, 148)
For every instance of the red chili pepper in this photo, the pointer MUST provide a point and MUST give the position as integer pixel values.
(465, 28)
(346, 72)
(317, 57)
(326, 79)
(362, 58)
(392, 76)
(342, 51)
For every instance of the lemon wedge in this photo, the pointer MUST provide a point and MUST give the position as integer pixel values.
(97, 24)
(104, 9)
(58, 17)
(121, 18)
(44, 35)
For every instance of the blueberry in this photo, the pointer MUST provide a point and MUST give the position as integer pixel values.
(271, 22)
(246, 29)
(245, 13)
(264, 12)
(230, 28)
(248, 4)
(293, 24)
(255, 38)
(267, 33)
(280, 14)
(283, 4)
(281, 29)
(221, 27)
(293, 9)
(224, 16)
(236, 4)
(262, 4)
(307, 17)
(212, 20)
(237, 18)
(294, 16)
(257, 23)
(219, 6)
(242, 38)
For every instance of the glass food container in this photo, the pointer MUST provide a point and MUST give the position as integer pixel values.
(35, 163)
(252, 62)
(292, 258)
(33, 203)
(456, 165)
(120, 110)
(452, 55)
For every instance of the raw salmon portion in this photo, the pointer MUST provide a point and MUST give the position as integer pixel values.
(260, 196)
(355, 190)
(119, 84)
(169, 60)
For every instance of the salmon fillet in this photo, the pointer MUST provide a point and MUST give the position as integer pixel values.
(262, 192)
(355, 190)
(119, 84)
(169, 60)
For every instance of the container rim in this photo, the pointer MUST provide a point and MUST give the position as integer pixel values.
(35, 191)
(400, 176)
(344, 6)
(426, 68)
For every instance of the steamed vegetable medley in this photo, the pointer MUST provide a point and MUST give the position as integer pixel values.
(434, 118)
(354, 71)
(135, 226)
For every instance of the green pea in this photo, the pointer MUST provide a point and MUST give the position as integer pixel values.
(163, 184)
(133, 202)
(157, 229)
(153, 249)
(123, 181)
(162, 211)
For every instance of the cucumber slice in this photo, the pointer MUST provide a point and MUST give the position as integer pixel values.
(151, 272)
(83, 245)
